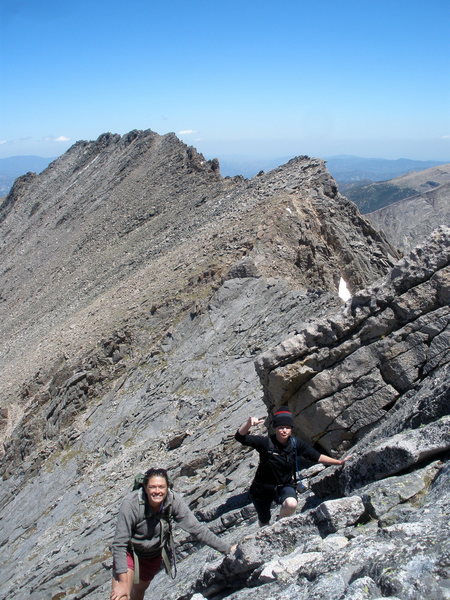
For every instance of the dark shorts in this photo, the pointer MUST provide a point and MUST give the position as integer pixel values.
(263, 495)
(148, 567)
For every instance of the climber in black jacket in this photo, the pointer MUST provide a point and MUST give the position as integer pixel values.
(276, 473)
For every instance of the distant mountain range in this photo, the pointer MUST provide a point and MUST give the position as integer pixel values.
(345, 169)
(375, 195)
(351, 169)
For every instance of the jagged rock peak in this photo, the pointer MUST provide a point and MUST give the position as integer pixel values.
(109, 142)
(144, 140)
(129, 148)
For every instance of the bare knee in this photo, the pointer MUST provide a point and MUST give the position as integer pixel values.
(290, 504)
(288, 508)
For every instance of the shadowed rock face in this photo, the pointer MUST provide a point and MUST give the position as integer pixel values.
(132, 342)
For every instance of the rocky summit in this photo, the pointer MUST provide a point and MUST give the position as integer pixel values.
(148, 307)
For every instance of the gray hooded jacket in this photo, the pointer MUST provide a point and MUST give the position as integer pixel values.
(144, 534)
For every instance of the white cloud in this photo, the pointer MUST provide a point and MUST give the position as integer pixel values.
(445, 137)
(187, 132)
(3, 142)
(60, 138)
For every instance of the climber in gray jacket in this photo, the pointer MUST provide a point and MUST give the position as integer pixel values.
(143, 534)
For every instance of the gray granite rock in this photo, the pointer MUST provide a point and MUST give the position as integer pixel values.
(333, 515)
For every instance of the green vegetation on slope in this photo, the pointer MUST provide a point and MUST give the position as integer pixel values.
(376, 195)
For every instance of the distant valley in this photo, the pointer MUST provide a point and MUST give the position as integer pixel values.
(408, 208)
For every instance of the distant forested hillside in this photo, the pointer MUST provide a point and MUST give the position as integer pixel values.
(370, 197)
(376, 195)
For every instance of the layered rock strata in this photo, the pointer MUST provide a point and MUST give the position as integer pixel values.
(342, 375)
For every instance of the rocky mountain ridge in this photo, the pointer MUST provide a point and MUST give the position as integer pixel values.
(126, 227)
(139, 289)
(342, 168)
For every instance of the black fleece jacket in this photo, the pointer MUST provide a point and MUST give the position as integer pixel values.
(276, 461)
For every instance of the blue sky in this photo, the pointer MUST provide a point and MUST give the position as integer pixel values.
(247, 78)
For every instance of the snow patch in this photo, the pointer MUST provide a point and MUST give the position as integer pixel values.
(343, 292)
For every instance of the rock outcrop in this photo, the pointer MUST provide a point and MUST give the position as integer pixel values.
(139, 287)
(343, 374)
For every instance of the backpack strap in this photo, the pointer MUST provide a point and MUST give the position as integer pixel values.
(271, 450)
(136, 576)
(296, 465)
(167, 544)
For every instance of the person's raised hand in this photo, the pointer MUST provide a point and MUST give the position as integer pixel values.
(253, 421)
